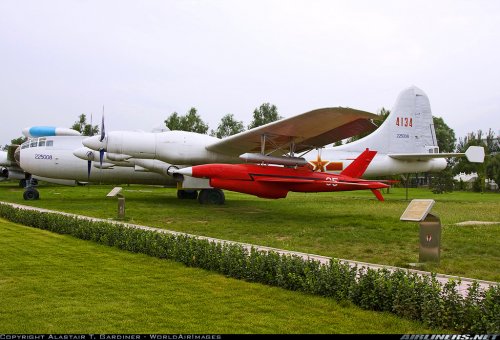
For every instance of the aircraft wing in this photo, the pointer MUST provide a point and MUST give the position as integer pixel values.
(474, 154)
(308, 130)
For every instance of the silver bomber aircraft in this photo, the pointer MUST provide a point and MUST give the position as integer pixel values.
(405, 143)
(136, 159)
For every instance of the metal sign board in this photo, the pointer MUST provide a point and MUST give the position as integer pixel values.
(430, 239)
(114, 192)
(417, 210)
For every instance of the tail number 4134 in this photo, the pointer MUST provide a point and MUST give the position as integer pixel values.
(404, 121)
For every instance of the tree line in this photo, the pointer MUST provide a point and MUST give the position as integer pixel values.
(191, 121)
(228, 126)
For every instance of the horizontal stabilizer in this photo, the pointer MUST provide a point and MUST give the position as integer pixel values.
(423, 156)
(474, 154)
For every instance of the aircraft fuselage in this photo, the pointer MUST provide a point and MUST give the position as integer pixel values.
(57, 161)
(382, 165)
(188, 148)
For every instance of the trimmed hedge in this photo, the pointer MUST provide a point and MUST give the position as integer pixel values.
(403, 293)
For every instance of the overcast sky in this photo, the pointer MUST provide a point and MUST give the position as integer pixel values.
(144, 59)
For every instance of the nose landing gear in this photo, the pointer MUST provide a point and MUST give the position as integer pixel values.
(30, 192)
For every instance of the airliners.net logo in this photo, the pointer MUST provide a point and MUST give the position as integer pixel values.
(450, 337)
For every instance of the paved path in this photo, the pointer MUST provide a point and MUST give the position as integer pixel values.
(442, 278)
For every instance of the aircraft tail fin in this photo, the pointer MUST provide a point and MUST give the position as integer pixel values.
(409, 128)
(358, 167)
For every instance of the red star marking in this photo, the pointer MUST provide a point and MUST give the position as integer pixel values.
(318, 164)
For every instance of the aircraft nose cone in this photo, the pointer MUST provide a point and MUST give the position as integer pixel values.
(94, 143)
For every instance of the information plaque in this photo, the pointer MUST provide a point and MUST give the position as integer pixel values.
(114, 192)
(430, 228)
(417, 210)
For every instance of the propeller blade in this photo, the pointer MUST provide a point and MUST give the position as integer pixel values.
(101, 156)
(89, 166)
(103, 132)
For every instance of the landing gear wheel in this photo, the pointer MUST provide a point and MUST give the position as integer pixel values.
(211, 196)
(181, 194)
(192, 194)
(31, 194)
(187, 194)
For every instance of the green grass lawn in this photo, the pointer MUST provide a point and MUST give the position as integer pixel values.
(347, 225)
(51, 283)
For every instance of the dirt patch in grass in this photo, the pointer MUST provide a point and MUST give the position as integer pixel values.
(466, 223)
